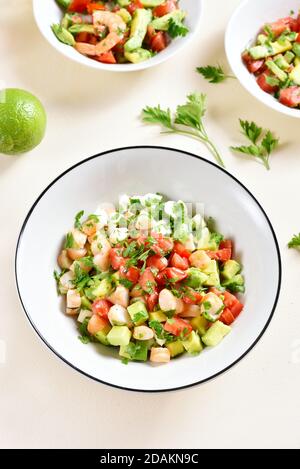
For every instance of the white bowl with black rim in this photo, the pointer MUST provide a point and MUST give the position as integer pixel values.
(242, 29)
(48, 12)
(178, 175)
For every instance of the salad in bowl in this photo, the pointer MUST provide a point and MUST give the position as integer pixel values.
(151, 278)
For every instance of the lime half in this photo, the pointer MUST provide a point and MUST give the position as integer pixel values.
(22, 121)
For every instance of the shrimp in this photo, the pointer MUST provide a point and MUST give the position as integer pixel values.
(116, 27)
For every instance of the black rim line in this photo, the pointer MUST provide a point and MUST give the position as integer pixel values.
(141, 147)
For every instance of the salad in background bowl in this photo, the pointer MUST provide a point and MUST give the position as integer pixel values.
(263, 49)
(118, 35)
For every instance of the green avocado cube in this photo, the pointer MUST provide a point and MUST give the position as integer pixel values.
(196, 278)
(119, 335)
(230, 269)
(175, 348)
(215, 334)
(212, 272)
(192, 343)
(200, 325)
(138, 313)
(101, 336)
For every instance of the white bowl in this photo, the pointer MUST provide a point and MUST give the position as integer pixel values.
(47, 12)
(178, 175)
(242, 30)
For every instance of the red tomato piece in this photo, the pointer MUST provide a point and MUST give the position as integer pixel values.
(165, 8)
(158, 42)
(152, 301)
(179, 262)
(180, 249)
(281, 25)
(147, 281)
(116, 258)
(101, 307)
(163, 246)
(290, 96)
(78, 6)
(178, 326)
(233, 304)
(91, 7)
(107, 58)
(157, 262)
(264, 85)
(227, 317)
(161, 278)
(130, 273)
(83, 37)
(134, 5)
(226, 244)
(253, 65)
(192, 297)
(222, 255)
(177, 275)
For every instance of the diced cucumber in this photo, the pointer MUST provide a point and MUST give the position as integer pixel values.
(230, 269)
(281, 62)
(102, 336)
(212, 272)
(216, 334)
(289, 56)
(196, 278)
(175, 348)
(138, 313)
(200, 325)
(280, 74)
(158, 316)
(192, 343)
(119, 335)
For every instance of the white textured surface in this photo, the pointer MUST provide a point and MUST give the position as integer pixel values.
(257, 403)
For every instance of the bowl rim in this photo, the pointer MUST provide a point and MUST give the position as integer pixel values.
(260, 95)
(186, 154)
(122, 68)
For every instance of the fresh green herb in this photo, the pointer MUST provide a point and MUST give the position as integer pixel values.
(126, 283)
(269, 32)
(260, 151)
(81, 278)
(87, 261)
(69, 241)
(177, 28)
(94, 218)
(295, 242)
(214, 74)
(292, 12)
(84, 339)
(57, 276)
(235, 287)
(139, 317)
(216, 238)
(77, 223)
(207, 305)
(136, 351)
(160, 332)
(287, 36)
(188, 121)
(125, 361)
(171, 321)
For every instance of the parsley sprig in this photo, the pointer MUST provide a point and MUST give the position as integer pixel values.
(188, 121)
(214, 73)
(263, 142)
(295, 242)
(177, 28)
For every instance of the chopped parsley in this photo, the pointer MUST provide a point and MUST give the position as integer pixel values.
(69, 244)
(77, 223)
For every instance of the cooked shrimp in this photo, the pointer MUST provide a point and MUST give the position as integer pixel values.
(116, 27)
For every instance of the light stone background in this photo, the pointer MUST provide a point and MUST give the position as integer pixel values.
(44, 403)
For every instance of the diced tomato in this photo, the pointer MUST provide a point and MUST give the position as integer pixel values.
(227, 317)
(163, 246)
(280, 26)
(226, 244)
(290, 96)
(177, 275)
(79, 6)
(147, 281)
(116, 258)
(233, 304)
(178, 326)
(161, 278)
(165, 8)
(179, 262)
(157, 262)
(264, 85)
(180, 249)
(97, 324)
(101, 307)
(253, 65)
(152, 300)
(221, 255)
(134, 5)
(158, 42)
(130, 273)
(116, 8)
(91, 7)
(192, 297)
(83, 37)
(107, 58)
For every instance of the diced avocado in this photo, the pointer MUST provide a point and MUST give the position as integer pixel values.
(119, 335)
(235, 284)
(82, 28)
(101, 336)
(135, 351)
(138, 313)
(158, 316)
(200, 324)
(140, 22)
(85, 303)
(280, 74)
(196, 278)
(66, 21)
(151, 3)
(296, 49)
(297, 61)
(295, 74)
(162, 23)
(289, 56)
(262, 39)
(138, 55)
(230, 269)
(125, 15)
(175, 348)
(281, 62)
(63, 35)
(102, 290)
(149, 343)
(212, 272)
(215, 334)
(280, 47)
(203, 241)
(192, 343)
(209, 241)
(261, 52)
(124, 3)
